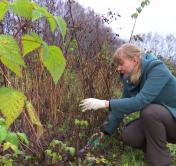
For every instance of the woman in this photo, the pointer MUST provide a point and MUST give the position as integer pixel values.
(149, 87)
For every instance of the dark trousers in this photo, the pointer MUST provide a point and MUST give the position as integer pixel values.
(151, 132)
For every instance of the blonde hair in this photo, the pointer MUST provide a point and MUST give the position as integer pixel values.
(130, 51)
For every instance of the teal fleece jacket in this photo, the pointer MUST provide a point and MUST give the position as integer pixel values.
(157, 86)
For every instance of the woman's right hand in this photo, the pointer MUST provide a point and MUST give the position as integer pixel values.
(93, 104)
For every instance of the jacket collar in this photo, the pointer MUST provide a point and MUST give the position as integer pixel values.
(146, 60)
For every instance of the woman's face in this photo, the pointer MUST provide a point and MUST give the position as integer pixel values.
(126, 65)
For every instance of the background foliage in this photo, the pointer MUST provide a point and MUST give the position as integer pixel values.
(50, 41)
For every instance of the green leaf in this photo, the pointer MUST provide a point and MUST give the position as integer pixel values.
(44, 12)
(10, 54)
(36, 37)
(34, 118)
(3, 8)
(139, 9)
(23, 137)
(3, 133)
(51, 21)
(2, 122)
(55, 63)
(36, 14)
(134, 15)
(12, 138)
(71, 150)
(48, 152)
(45, 50)
(62, 25)
(11, 104)
(39, 9)
(30, 43)
(22, 8)
(143, 4)
(147, 2)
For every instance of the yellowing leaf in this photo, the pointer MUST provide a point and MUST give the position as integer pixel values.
(54, 62)
(30, 43)
(11, 104)
(3, 8)
(34, 118)
(12, 66)
(8, 145)
(10, 54)
(10, 50)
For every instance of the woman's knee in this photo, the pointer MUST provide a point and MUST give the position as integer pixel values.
(130, 139)
(132, 135)
(127, 138)
(150, 112)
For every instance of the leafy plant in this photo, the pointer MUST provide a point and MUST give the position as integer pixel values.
(11, 104)
(34, 118)
(140, 8)
(10, 139)
(12, 101)
(51, 56)
(12, 54)
(57, 150)
(81, 123)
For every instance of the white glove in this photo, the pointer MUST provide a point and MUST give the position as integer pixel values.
(93, 104)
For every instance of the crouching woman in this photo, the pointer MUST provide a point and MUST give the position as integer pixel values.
(148, 87)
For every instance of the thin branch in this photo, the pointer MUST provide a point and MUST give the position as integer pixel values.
(6, 81)
(133, 29)
(19, 29)
(73, 24)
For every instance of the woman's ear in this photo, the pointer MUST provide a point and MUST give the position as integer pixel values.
(136, 60)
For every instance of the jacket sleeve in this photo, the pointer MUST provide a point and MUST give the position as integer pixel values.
(156, 80)
(111, 123)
